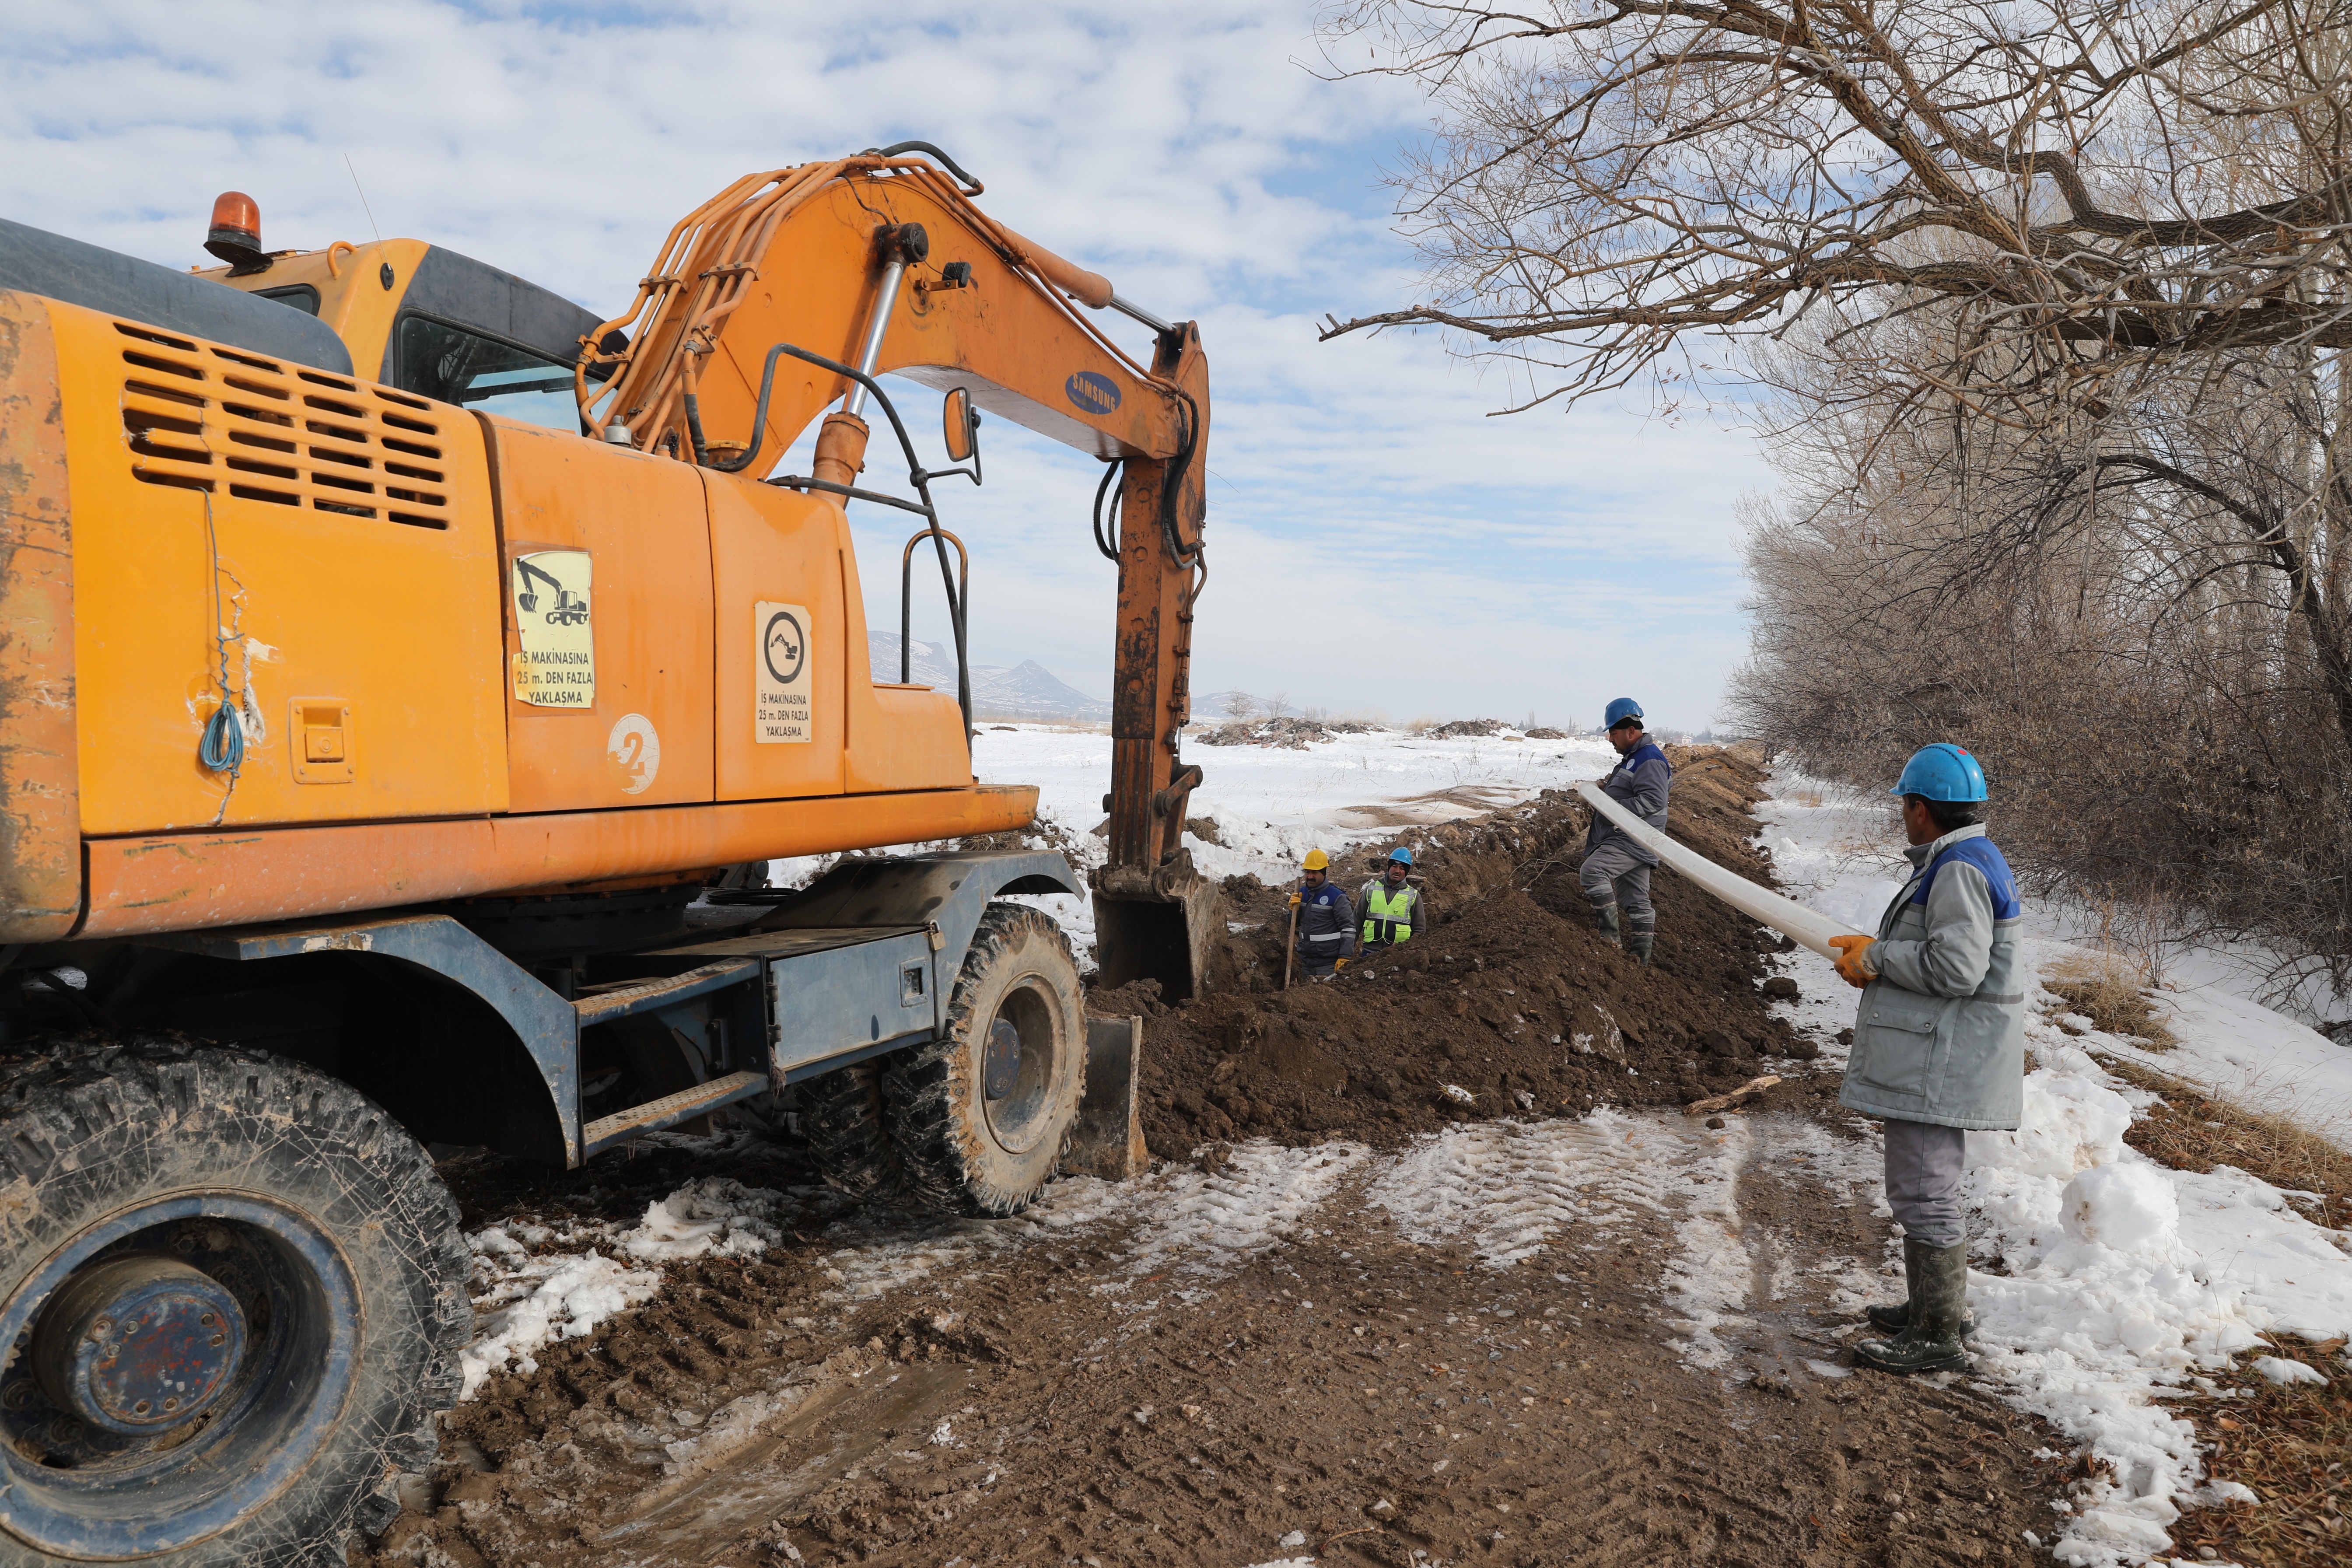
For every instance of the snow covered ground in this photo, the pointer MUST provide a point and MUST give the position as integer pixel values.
(1272, 805)
(2122, 1277)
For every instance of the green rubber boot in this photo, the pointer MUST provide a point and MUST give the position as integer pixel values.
(1895, 1319)
(1639, 944)
(1936, 1338)
(1612, 928)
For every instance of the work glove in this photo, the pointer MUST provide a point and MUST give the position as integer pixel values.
(1342, 964)
(1853, 964)
(1294, 900)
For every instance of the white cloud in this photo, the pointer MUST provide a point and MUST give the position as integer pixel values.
(1376, 541)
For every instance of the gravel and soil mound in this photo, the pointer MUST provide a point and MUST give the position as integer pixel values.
(1288, 733)
(1512, 1006)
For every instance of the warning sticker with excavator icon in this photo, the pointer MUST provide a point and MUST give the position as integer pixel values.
(557, 664)
(779, 675)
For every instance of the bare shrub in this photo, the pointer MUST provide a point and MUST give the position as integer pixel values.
(2111, 991)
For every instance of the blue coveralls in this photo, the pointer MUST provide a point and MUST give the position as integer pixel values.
(1616, 869)
(1326, 927)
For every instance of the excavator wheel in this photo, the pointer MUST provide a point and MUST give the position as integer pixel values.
(980, 1116)
(235, 1295)
(842, 1117)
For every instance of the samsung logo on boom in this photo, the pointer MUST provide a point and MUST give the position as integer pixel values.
(1092, 392)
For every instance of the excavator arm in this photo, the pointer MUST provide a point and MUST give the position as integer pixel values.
(740, 336)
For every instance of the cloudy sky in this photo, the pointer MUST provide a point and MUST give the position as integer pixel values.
(1377, 542)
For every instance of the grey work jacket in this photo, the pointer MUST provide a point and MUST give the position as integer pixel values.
(1640, 782)
(1939, 1036)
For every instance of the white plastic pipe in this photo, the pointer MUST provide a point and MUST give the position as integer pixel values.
(1789, 918)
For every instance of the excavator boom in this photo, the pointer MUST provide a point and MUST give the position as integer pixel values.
(882, 263)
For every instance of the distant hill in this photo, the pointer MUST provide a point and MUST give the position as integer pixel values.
(1026, 691)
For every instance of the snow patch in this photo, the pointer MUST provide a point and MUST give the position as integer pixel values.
(540, 1300)
(527, 1295)
(715, 1215)
(1264, 1194)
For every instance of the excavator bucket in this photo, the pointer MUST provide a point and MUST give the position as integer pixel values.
(1161, 925)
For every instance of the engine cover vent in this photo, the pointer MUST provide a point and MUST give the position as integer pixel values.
(200, 417)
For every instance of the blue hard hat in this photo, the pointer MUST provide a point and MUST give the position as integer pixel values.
(1623, 707)
(1942, 771)
(1401, 854)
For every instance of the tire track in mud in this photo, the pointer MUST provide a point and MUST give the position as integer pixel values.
(1551, 1342)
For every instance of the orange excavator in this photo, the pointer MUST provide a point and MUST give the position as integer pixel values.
(405, 678)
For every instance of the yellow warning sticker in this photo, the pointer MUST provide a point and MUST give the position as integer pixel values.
(557, 665)
(781, 678)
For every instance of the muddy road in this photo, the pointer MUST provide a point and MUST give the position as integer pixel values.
(1350, 1316)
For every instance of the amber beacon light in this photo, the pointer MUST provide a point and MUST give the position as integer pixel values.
(235, 233)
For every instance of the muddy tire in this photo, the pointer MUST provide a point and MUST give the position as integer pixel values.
(842, 1117)
(965, 1150)
(237, 1292)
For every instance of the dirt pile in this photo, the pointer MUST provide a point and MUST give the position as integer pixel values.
(1466, 729)
(1512, 1005)
(1288, 733)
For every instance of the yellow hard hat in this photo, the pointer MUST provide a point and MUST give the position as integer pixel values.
(1316, 860)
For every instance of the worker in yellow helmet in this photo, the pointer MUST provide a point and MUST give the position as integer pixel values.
(1327, 921)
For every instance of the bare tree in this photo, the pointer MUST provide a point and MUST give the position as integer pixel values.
(2096, 184)
(1240, 705)
(2050, 302)
(2103, 611)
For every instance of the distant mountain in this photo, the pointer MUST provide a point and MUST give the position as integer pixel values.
(1026, 691)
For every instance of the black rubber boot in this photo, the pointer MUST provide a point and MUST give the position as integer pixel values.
(1895, 1319)
(1612, 931)
(1936, 1338)
(1639, 944)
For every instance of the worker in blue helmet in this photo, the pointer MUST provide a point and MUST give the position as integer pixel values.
(1392, 906)
(1616, 871)
(1939, 1044)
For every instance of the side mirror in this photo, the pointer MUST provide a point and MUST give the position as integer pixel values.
(962, 421)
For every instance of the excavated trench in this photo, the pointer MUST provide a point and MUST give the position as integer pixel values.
(1350, 1314)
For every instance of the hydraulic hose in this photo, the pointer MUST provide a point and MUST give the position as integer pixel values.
(1109, 543)
(897, 149)
(1810, 928)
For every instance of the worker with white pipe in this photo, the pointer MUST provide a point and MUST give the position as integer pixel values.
(1939, 1044)
(1617, 866)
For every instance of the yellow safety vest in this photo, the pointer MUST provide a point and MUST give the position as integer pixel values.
(1388, 912)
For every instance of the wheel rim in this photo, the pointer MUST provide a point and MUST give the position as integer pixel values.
(1023, 1115)
(114, 1319)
